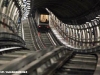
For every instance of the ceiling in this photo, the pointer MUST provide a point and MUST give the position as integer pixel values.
(69, 11)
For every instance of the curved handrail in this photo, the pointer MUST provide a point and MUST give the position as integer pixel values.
(37, 57)
(11, 44)
(87, 40)
(11, 37)
(89, 50)
(12, 26)
(57, 53)
(10, 48)
(55, 38)
(8, 18)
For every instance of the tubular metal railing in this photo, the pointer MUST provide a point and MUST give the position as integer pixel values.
(46, 61)
(11, 40)
(12, 25)
(88, 50)
(39, 60)
(11, 37)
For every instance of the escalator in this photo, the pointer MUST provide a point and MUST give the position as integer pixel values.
(37, 43)
(46, 40)
(50, 62)
(28, 35)
(42, 40)
(78, 64)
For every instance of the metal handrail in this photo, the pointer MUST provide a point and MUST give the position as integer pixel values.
(12, 26)
(88, 50)
(38, 57)
(10, 36)
(11, 44)
(34, 34)
(78, 39)
(10, 48)
(55, 38)
(57, 53)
